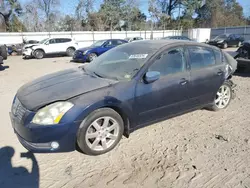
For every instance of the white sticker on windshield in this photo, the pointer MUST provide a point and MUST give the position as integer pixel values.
(138, 56)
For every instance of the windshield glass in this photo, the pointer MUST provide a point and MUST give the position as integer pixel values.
(221, 36)
(98, 43)
(43, 41)
(122, 62)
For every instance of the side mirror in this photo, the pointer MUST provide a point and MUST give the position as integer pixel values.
(151, 76)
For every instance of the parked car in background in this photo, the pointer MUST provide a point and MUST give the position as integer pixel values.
(96, 49)
(226, 40)
(177, 38)
(15, 49)
(3, 55)
(3, 52)
(90, 107)
(242, 55)
(50, 46)
(132, 39)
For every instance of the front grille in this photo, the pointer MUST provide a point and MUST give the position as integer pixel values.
(18, 109)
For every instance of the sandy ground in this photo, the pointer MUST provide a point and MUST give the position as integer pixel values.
(201, 149)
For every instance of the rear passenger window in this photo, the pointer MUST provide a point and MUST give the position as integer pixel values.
(66, 40)
(201, 57)
(170, 62)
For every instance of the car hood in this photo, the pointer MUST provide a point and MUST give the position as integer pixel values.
(216, 40)
(30, 45)
(86, 48)
(58, 86)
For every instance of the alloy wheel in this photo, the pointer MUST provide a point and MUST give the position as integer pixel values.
(223, 97)
(102, 133)
(92, 56)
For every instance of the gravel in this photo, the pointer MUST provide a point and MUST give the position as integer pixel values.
(200, 149)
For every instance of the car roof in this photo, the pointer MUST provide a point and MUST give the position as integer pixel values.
(157, 44)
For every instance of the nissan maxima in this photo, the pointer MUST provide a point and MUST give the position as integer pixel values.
(90, 108)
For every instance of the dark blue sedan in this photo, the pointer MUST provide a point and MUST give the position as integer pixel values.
(89, 108)
(96, 49)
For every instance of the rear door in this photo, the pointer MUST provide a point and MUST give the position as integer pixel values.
(207, 74)
(62, 44)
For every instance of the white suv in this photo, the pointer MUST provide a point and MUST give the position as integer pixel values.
(50, 46)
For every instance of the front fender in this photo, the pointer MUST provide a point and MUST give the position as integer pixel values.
(108, 102)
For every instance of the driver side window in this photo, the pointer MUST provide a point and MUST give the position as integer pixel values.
(170, 62)
(109, 43)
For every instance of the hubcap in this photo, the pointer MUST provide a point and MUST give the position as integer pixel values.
(92, 57)
(39, 54)
(102, 133)
(223, 97)
(71, 52)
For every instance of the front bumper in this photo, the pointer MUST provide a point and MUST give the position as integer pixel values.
(79, 57)
(27, 52)
(39, 139)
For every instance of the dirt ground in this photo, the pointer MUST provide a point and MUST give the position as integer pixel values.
(201, 149)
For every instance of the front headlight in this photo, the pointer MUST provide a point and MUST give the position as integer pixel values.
(85, 52)
(52, 114)
(220, 41)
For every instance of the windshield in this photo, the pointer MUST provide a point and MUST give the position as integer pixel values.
(98, 43)
(221, 36)
(122, 62)
(43, 41)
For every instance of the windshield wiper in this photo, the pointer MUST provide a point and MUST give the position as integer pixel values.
(98, 75)
(106, 77)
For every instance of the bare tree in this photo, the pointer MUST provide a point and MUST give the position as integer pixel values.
(48, 7)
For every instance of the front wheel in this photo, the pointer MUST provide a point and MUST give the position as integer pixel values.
(39, 54)
(92, 56)
(225, 45)
(100, 132)
(223, 97)
(239, 44)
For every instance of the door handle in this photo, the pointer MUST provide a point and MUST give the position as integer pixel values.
(183, 82)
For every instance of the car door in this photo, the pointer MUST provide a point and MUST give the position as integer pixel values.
(106, 46)
(168, 95)
(232, 40)
(52, 46)
(61, 44)
(207, 75)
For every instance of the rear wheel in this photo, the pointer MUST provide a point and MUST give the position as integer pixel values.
(223, 97)
(70, 52)
(39, 54)
(100, 132)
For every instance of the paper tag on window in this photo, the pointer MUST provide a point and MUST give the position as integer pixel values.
(138, 56)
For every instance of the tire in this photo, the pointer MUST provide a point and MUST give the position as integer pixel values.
(91, 141)
(39, 54)
(215, 106)
(92, 56)
(3, 52)
(70, 51)
(239, 44)
(225, 45)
